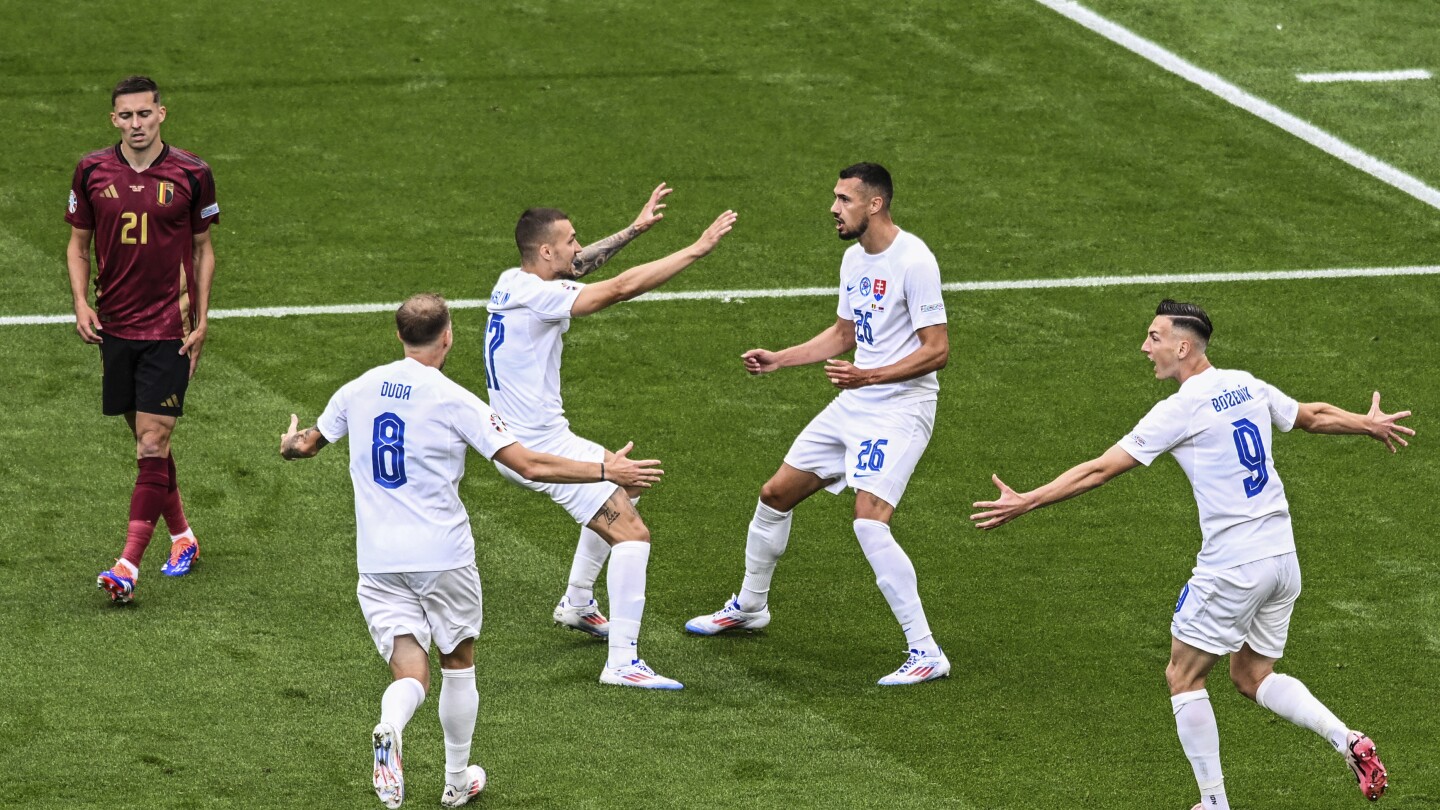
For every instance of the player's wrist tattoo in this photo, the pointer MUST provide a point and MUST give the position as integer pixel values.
(594, 256)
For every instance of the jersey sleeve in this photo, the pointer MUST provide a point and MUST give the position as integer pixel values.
(333, 423)
(922, 293)
(843, 310)
(1283, 410)
(1166, 425)
(549, 300)
(204, 210)
(478, 425)
(79, 213)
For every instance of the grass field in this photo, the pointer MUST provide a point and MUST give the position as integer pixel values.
(364, 151)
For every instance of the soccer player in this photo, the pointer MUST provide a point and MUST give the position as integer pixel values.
(872, 435)
(1246, 578)
(409, 426)
(148, 208)
(530, 311)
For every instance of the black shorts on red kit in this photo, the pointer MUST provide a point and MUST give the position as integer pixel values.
(149, 376)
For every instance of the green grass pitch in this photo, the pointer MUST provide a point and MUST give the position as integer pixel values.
(367, 150)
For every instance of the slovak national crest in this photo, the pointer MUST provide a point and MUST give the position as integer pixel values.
(879, 288)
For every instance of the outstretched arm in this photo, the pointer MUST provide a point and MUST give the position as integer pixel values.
(295, 443)
(646, 277)
(1077, 480)
(543, 467)
(595, 255)
(1322, 417)
(838, 339)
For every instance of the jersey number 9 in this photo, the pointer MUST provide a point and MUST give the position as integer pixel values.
(1252, 455)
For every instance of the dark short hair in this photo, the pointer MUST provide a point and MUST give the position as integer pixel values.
(422, 319)
(534, 227)
(135, 84)
(1189, 317)
(874, 177)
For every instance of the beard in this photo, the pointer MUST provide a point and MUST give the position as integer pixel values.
(855, 233)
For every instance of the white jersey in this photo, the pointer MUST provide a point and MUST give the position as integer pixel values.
(409, 426)
(523, 342)
(890, 296)
(1218, 428)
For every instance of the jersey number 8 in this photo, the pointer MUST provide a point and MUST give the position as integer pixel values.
(387, 451)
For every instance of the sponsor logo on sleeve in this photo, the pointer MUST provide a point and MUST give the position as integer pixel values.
(74, 203)
(1139, 442)
(210, 210)
(498, 424)
(936, 307)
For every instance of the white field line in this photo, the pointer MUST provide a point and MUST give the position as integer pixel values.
(1365, 76)
(819, 292)
(1298, 127)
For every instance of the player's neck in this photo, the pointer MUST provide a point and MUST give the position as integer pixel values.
(880, 235)
(1191, 369)
(432, 356)
(543, 271)
(140, 161)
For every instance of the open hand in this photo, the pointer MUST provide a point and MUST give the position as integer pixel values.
(1009, 506)
(653, 210)
(621, 469)
(1384, 428)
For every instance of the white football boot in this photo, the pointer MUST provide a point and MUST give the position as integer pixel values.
(918, 668)
(389, 775)
(586, 618)
(730, 617)
(456, 796)
(637, 673)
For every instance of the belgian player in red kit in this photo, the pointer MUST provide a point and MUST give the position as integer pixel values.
(148, 208)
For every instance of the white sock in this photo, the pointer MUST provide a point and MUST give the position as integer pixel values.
(626, 583)
(1288, 697)
(769, 534)
(459, 703)
(400, 701)
(1200, 737)
(189, 532)
(590, 556)
(895, 575)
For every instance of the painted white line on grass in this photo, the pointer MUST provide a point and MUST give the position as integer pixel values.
(819, 292)
(1365, 76)
(1298, 127)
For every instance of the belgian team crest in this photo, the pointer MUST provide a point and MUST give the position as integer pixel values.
(164, 193)
(879, 288)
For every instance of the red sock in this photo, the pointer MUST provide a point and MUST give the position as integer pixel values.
(173, 511)
(151, 488)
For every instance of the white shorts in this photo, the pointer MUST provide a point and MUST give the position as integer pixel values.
(443, 605)
(865, 448)
(1219, 611)
(582, 501)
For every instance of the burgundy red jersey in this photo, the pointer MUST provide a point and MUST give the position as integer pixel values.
(144, 224)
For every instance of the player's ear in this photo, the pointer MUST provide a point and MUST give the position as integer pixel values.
(160, 112)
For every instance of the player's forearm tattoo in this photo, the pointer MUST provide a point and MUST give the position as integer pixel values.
(594, 256)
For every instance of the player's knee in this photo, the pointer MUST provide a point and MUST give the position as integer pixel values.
(774, 496)
(1247, 680)
(1180, 680)
(152, 445)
